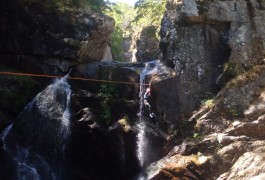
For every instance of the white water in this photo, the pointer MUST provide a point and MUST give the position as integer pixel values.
(52, 104)
(142, 140)
(4, 134)
(150, 68)
(26, 172)
(48, 104)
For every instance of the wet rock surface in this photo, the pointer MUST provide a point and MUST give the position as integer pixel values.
(45, 39)
(41, 39)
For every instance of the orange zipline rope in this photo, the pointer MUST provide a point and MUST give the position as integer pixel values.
(73, 78)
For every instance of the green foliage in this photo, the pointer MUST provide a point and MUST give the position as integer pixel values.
(196, 136)
(116, 41)
(150, 12)
(246, 77)
(208, 100)
(208, 103)
(150, 31)
(95, 5)
(130, 21)
(107, 93)
(123, 15)
(15, 92)
(233, 112)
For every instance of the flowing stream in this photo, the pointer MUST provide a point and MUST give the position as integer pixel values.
(37, 140)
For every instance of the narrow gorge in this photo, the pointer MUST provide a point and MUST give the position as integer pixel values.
(70, 111)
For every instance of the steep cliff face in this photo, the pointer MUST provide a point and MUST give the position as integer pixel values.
(44, 38)
(196, 48)
(213, 44)
(32, 31)
(206, 43)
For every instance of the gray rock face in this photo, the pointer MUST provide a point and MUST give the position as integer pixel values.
(166, 101)
(199, 37)
(94, 49)
(196, 51)
(189, 8)
(247, 32)
(229, 134)
(242, 98)
(147, 45)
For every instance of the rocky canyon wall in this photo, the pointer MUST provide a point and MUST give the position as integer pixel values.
(42, 38)
(206, 43)
(214, 46)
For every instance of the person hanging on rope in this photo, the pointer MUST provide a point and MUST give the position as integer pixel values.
(147, 102)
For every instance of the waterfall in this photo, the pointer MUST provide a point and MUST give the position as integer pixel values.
(141, 139)
(37, 139)
(143, 126)
(4, 134)
(150, 68)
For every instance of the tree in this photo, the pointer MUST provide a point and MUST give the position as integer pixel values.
(130, 21)
(123, 15)
(150, 12)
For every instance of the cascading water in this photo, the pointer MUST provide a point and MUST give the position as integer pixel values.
(38, 137)
(143, 126)
(150, 138)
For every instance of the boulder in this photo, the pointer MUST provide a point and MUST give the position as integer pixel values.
(147, 45)
(166, 103)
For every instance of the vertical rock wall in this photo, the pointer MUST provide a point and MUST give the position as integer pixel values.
(199, 39)
(228, 139)
(147, 45)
